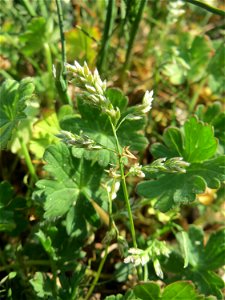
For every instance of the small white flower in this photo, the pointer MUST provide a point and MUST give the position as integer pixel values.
(136, 170)
(157, 268)
(147, 101)
(145, 259)
(91, 85)
(113, 189)
(135, 251)
(137, 257)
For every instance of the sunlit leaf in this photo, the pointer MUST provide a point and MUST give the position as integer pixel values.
(12, 106)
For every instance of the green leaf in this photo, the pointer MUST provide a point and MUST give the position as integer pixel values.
(216, 70)
(199, 141)
(36, 28)
(199, 55)
(202, 260)
(195, 142)
(44, 132)
(97, 127)
(194, 245)
(7, 222)
(182, 237)
(41, 285)
(215, 116)
(187, 61)
(214, 250)
(176, 189)
(73, 183)
(6, 194)
(175, 291)
(12, 106)
(46, 243)
(181, 290)
(147, 291)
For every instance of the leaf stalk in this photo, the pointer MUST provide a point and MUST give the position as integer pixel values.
(28, 159)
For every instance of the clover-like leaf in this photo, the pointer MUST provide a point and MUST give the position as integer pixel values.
(37, 27)
(176, 189)
(195, 142)
(202, 260)
(73, 183)
(12, 106)
(44, 134)
(98, 128)
(214, 115)
(174, 291)
(187, 62)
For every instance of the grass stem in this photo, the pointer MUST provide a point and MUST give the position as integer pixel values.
(106, 36)
(61, 82)
(98, 273)
(29, 8)
(28, 159)
(207, 7)
(133, 33)
(124, 186)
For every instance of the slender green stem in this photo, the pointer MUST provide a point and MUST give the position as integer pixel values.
(98, 273)
(6, 74)
(29, 8)
(48, 57)
(196, 94)
(43, 9)
(124, 186)
(87, 34)
(133, 33)
(207, 7)
(62, 37)
(28, 159)
(106, 35)
(61, 80)
(145, 272)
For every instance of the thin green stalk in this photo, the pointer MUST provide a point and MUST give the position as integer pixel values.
(125, 192)
(87, 34)
(61, 82)
(133, 33)
(28, 159)
(6, 74)
(43, 9)
(97, 274)
(207, 7)
(145, 272)
(106, 35)
(124, 186)
(62, 37)
(48, 57)
(196, 95)
(29, 8)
